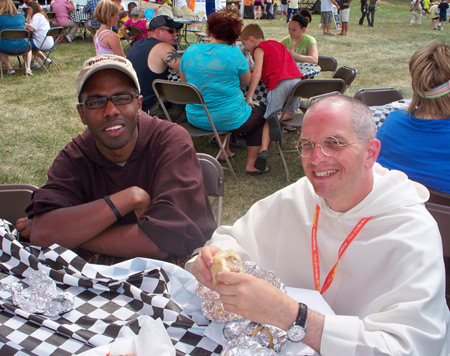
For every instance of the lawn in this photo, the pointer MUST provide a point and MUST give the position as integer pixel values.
(39, 113)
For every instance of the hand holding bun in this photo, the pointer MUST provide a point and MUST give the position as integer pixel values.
(226, 261)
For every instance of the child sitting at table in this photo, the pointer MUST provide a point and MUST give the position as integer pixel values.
(137, 22)
(276, 68)
(105, 39)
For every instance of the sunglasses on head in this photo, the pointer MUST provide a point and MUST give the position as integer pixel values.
(170, 30)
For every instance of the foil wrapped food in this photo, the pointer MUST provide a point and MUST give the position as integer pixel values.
(41, 295)
(243, 336)
(212, 307)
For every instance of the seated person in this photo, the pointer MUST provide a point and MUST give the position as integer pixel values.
(11, 19)
(218, 68)
(38, 25)
(352, 230)
(106, 41)
(124, 17)
(416, 142)
(151, 58)
(136, 21)
(278, 71)
(129, 186)
(91, 25)
(302, 47)
(61, 8)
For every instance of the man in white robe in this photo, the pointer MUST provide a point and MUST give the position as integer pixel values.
(388, 290)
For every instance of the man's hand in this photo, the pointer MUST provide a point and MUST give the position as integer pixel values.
(255, 299)
(140, 198)
(202, 265)
(23, 225)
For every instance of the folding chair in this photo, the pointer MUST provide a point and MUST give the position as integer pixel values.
(307, 88)
(15, 35)
(14, 198)
(378, 96)
(213, 179)
(347, 74)
(185, 93)
(51, 18)
(56, 33)
(135, 32)
(439, 206)
(327, 64)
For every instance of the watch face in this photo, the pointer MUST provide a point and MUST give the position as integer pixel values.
(296, 333)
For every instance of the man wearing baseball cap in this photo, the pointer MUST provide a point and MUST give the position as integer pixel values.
(151, 58)
(129, 186)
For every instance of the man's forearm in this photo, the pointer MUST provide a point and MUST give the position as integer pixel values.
(127, 241)
(73, 226)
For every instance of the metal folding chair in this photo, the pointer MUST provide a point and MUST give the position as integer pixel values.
(14, 198)
(378, 96)
(15, 35)
(56, 33)
(439, 206)
(213, 179)
(327, 64)
(347, 74)
(185, 93)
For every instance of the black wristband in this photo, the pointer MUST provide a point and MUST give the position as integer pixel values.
(113, 207)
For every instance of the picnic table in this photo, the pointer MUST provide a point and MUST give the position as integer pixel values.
(110, 302)
(381, 112)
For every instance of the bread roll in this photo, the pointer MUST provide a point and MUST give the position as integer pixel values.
(226, 261)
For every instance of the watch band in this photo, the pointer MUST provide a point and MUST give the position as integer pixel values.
(302, 315)
(113, 207)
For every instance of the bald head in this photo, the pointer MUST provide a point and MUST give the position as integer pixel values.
(362, 118)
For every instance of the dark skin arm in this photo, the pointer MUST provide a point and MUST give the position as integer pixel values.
(90, 226)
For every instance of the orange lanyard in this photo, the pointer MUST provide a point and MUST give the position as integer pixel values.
(315, 250)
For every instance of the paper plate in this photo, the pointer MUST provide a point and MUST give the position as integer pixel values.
(149, 13)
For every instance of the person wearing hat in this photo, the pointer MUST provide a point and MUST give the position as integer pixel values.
(129, 186)
(152, 57)
(136, 21)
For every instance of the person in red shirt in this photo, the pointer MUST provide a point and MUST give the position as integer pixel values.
(276, 68)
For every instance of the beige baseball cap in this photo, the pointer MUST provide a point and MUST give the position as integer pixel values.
(105, 61)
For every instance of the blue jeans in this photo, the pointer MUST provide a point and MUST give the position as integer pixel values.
(269, 14)
(291, 11)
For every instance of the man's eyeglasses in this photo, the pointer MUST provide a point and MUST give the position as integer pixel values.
(117, 100)
(170, 30)
(329, 146)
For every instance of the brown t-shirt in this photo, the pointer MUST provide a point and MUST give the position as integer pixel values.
(163, 163)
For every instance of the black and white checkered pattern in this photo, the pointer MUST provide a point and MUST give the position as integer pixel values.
(79, 15)
(109, 302)
(381, 112)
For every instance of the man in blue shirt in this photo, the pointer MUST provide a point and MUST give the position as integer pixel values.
(91, 25)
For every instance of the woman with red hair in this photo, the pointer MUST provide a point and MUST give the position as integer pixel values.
(218, 68)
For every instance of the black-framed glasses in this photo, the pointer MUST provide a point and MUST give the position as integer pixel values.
(170, 30)
(117, 100)
(329, 146)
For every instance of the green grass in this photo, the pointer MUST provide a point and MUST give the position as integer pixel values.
(38, 114)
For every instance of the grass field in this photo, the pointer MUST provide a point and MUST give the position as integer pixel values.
(38, 114)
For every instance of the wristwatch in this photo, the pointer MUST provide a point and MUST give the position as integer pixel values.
(297, 331)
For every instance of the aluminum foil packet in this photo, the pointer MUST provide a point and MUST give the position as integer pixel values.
(212, 307)
(243, 336)
(40, 297)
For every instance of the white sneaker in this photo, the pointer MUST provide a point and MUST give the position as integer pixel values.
(35, 65)
(29, 72)
(47, 63)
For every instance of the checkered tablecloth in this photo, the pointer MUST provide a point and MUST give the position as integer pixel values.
(79, 15)
(308, 70)
(381, 112)
(110, 302)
